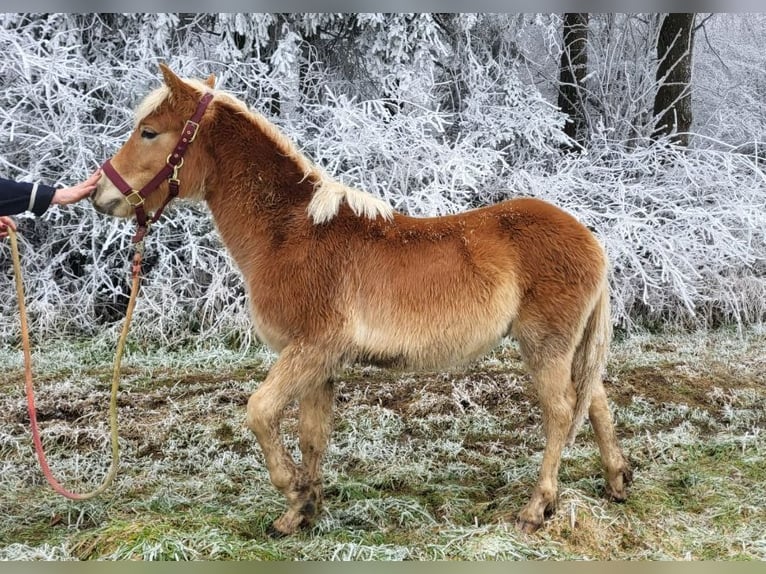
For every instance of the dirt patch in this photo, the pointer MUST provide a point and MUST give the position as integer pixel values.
(672, 383)
(494, 387)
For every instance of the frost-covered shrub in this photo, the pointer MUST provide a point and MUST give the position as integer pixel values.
(408, 158)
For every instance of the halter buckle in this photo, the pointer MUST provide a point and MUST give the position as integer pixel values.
(134, 198)
(194, 127)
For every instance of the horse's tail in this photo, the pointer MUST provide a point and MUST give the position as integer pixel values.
(590, 357)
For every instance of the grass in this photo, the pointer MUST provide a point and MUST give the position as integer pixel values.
(426, 466)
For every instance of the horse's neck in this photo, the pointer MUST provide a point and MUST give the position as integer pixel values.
(255, 190)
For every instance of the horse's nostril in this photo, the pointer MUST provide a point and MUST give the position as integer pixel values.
(108, 208)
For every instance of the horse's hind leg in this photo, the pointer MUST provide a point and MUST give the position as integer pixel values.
(298, 372)
(618, 473)
(552, 380)
(315, 427)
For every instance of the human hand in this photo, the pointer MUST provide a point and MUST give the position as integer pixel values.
(67, 195)
(5, 224)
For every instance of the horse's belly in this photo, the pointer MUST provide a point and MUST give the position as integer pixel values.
(440, 324)
(408, 347)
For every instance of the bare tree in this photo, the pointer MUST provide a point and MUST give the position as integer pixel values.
(572, 72)
(673, 102)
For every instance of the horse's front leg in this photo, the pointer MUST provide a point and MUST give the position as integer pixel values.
(315, 429)
(299, 372)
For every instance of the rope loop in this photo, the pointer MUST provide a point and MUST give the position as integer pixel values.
(29, 386)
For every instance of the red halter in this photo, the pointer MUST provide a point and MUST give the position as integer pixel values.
(169, 171)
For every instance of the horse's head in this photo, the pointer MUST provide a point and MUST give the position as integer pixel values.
(139, 175)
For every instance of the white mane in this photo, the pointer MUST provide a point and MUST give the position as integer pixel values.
(329, 194)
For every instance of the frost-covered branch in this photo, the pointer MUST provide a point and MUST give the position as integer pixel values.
(433, 122)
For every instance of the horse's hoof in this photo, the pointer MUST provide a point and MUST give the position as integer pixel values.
(290, 523)
(527, 526)
(274, 533)
(619, 493)
(615, 496)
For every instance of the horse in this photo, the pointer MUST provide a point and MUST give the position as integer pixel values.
(336, 277)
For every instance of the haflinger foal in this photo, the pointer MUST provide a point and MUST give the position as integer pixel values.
(334, 277)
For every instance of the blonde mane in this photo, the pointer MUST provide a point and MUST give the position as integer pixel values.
(329, 193)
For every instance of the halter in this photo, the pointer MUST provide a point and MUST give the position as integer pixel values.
(169, 171)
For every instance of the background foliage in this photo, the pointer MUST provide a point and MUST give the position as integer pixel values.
(436, 113)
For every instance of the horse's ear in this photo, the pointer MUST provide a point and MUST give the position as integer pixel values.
(210, 82)
(177, 85)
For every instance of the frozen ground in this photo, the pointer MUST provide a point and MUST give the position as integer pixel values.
(421, 466)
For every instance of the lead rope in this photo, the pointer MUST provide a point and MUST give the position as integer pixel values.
(136, 270)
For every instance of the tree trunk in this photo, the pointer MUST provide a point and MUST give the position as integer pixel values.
(673, 102)
(572, 72)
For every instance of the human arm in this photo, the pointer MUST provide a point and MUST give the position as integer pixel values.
(18, 196)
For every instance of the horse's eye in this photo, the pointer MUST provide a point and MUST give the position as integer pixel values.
(148, 134)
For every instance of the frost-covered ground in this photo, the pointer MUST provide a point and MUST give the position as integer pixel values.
(424, 466)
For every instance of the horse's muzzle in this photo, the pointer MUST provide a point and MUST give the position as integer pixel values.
(114, 206)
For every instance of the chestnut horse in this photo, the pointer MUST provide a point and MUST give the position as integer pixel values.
(334, 277)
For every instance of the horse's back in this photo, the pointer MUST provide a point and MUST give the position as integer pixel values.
(528, 237)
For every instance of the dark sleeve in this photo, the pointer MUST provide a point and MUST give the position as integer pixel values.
(16, 195)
